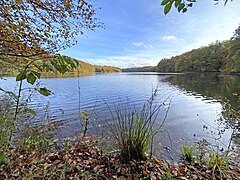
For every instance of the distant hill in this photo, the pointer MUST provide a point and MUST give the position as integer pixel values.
(85, 68)
(12, 67)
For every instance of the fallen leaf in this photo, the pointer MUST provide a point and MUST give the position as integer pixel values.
(46, 166)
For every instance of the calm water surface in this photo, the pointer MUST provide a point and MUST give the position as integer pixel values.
(196, 100)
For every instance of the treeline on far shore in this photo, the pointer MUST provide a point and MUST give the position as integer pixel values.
(12, 67)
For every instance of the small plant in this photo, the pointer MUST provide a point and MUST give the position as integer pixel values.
(67, 142)
(218, 163)
(202, 150)
(187, 152)
(46, 143)
(3, 158)
(30, 143)
(85, 121)
(167, 173)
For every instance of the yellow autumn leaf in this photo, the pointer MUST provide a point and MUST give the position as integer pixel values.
(18, 1)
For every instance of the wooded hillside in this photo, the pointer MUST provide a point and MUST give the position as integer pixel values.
(12, 67)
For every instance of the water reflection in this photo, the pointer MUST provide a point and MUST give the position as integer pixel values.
(216, 88)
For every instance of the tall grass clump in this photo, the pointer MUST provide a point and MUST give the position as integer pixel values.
(219, 163)
(134, 131)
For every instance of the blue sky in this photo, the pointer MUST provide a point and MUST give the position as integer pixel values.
(137, 33)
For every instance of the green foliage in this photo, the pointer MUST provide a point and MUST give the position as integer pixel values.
(141, 69)
(29, 143)
(234, 52)
(166, 65)
(63, 64)
(34, 136)
(28, 74)
(3, 158)
(167, 7)
(21, 76)
(67, 142)
(187, 152)
(31, 78)
(31, 111)
(219, 163)
(181, 5)
(85, 121)
(167, 173)
(44, 91)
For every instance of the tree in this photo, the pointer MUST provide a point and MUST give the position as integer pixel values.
(34, 27)
(234, 52)
(236, 35)
(183, 5)
(33, 30)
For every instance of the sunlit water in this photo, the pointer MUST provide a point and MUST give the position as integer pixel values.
(189, 109)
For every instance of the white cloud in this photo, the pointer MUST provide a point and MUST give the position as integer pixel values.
(169, 38)
(148, 46)
(137, 43)
(141, 44)
(125, 61)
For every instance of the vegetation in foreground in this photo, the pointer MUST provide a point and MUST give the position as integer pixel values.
(34, 155)
(85, 160)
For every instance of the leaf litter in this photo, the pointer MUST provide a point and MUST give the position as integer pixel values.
(85, 160)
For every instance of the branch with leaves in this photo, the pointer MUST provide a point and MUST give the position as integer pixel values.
(183, 5)
(35, 27)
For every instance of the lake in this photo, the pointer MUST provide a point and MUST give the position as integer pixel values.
(200, 105)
